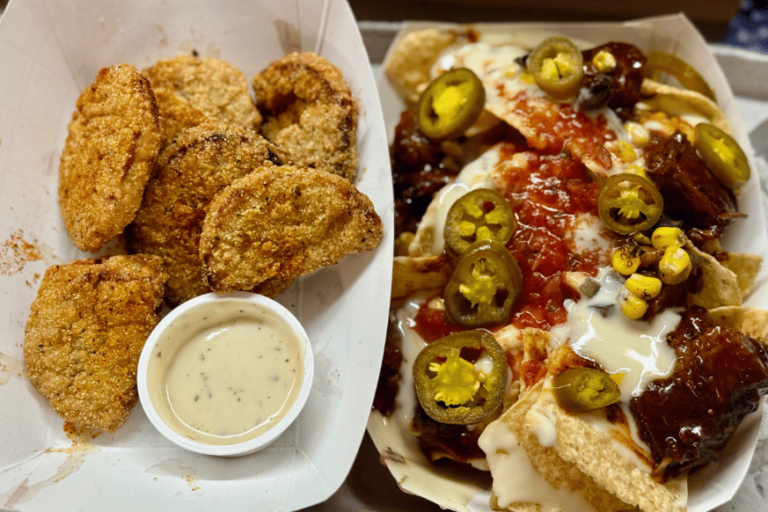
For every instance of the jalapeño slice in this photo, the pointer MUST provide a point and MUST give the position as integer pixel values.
(481, 214)
(450, 104)
(557, 66)
(584, 389)
(722, 154)
(629, 203)
(484, 286)
(449, 387)
(681, 70)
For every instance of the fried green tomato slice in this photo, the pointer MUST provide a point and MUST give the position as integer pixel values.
(85, 332)
(188, 174)
(309, 111)
(190, 91)
(281, 223)
(112, 143)
(449, 386)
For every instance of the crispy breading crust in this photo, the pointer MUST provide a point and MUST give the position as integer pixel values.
(309, 110)
(113, 140)
(283, 222)
(189, 172)
(190, 90)
(85, 333)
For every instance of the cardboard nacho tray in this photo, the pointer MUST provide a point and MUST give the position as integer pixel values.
(714, 484)
(49, 51)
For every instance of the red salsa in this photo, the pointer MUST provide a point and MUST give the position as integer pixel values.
(545, 195)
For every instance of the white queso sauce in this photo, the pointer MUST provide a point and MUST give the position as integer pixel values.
(229, 376)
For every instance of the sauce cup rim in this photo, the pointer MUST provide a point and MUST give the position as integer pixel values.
(236, 449)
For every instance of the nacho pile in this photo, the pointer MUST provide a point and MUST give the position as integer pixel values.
(575, 219)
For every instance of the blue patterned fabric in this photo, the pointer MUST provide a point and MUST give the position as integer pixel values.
(749, 28)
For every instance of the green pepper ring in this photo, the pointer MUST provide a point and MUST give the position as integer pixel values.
(730, 168)
(458, 308)
(478, 197)
(566, 85)
(495, 381)
(438, 128)
(681, 70)
(607, 202)
(568, 385)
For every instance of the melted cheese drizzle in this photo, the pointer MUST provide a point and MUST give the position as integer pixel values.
(636, 349)
(515, 480)
(496, 66)
(476, 174)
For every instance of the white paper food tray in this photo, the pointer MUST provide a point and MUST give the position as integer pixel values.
(49, 51)
(716, 483)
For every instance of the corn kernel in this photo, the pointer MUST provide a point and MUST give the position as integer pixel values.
(645, 287)
(623, 151)
(665, 236)
(626, 259)
(604, 61)
(638, 134)
(636, 169)
(675, 265)
(633, 307)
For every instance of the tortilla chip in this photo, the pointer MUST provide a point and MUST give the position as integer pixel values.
(746, 267)
(593, 452)
(411, 274)
(751, 321)
(511, 340)
(410, 62)
(719, 285)
(536, 348)
(687, 99)
(556, 471)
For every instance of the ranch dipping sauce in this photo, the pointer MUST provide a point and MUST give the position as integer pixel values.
(227, 373)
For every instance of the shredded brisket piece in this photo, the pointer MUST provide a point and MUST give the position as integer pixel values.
(719, 376)
(691, 192)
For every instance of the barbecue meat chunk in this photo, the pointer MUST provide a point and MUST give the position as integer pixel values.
(719, 376)
(691, 192)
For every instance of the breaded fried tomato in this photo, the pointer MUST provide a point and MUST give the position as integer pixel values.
(189, 172)
(309, 110)
(85, 333)
(112, 143)
(281, 223)
(190, 91)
